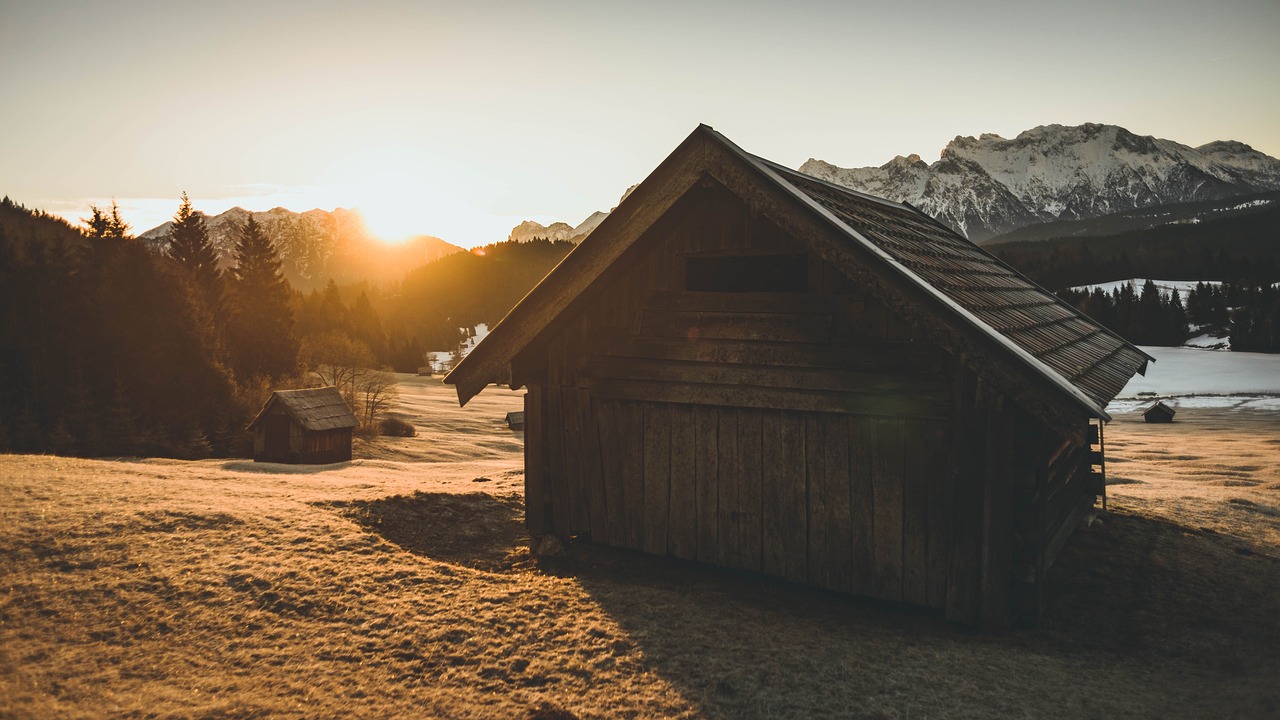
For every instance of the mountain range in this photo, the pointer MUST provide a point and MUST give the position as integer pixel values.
(317, 245)
(530, 229)
(987, 186)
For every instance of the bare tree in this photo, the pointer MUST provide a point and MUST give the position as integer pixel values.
(376, 390)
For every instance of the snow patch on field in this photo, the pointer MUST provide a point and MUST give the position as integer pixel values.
(1165, 286)
(1235, 380)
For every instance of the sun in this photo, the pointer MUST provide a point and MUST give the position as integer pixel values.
(391, 189)
(392, 219)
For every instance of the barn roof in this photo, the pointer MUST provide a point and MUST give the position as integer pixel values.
(314, 408)
(1035, 330)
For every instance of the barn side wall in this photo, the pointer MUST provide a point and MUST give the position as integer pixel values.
(321, 447)
(810, 436)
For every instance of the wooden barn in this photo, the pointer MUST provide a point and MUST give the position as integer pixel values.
(749, 367)
(1159, 413)
(309, 427)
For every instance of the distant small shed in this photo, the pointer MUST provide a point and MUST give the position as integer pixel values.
(515, 420)
(1159, 413)
(311, 427)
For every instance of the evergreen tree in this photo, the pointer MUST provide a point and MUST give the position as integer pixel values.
(189, 245)
(262, 339)
(102, 225)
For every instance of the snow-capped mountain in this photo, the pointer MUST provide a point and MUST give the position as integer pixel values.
(316, 245)
(988, 185)
(530, 229)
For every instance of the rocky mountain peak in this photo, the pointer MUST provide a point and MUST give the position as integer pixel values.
(989, 185)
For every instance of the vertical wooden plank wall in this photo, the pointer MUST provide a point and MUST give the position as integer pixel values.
(883, 504)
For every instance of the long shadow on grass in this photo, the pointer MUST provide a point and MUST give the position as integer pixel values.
(477, 530)
(1196, 611)
(270, 468)
(1133, 592)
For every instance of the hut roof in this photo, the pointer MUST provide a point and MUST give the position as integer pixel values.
(314, 408)
(1032, 328)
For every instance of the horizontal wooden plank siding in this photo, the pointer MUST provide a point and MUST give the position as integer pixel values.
(744, 375)
(889, 405)
(869, 356)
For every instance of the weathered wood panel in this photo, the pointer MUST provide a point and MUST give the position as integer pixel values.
(657, 476)
(862, 502)
(770, 303)
(815, 459)
(767, 327)
(887, 463)
(727, 463)
(915, 513)
(793, 496)
(941, 488)
(706, 434)
(557, 471)
(888, 405)
(575, 477)
(869, 356)
(631, 442)
(838, 503)
(773, 492)
(753, 376)
(997, 529)
(967, 448)
(592, 466)
(682, 530)
(608, 414)
(749, 489)
(536, 499)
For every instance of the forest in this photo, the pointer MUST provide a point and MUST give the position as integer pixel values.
(112, 346)
(109, 346)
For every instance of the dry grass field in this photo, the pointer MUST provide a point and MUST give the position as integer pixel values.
(400, 585)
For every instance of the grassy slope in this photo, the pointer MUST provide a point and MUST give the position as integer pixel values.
(385, 588)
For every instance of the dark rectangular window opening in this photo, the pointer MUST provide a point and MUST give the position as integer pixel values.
(748, 273)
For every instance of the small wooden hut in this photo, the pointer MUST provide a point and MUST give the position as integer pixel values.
(310, 427)
(750, 367)
(1159, 413)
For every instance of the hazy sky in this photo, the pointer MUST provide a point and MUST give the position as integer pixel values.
(460, 119)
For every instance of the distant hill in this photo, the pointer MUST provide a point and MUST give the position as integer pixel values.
(318, 245)
(989, 185)
(1194, 213)
(466, 289)
(24, 229)
(1234, 240)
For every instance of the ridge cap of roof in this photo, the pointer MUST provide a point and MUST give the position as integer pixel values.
(1027, 358)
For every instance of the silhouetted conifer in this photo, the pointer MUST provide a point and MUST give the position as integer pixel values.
(261, 327)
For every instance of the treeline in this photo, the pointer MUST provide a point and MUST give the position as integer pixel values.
(1247, 315)
(1242, 248)
(1149, 317)
(109, 348)
(467, 288)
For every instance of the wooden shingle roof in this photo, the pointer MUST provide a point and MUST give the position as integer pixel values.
(1029, 327)
(1094, 360)
(314, 408)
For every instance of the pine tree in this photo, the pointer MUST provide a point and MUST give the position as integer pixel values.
(262, 320)
(102, 225)
(189, 245)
